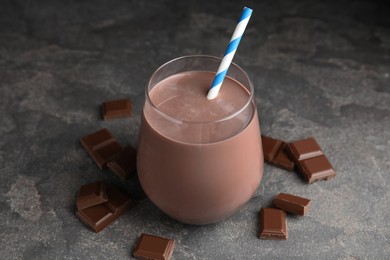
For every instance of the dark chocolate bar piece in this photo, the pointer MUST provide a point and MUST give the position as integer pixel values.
(154, 247)
(317, 168)
(304, 149)
(125, 163)
(270, 147)
(291, 203)
(275, 153)
(273, 224)
(97, 217)
(311, 161)
(101, 146)
(116, 109)
(118, 201)
(91, 194)
(100, 216)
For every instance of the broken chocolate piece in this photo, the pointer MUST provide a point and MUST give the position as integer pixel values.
(118, 201)
(100, 216)
(116, 109)
(91, 194)
(125, 163)
(311, 161)
(273, 224)
(317, 168)
(97, 140)
(275, 153)
(270, 147)
(291, 203)
(154, 247)
(97, 217)
(306, 148)
(101, 146)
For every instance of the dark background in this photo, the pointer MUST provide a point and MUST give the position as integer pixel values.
(320, 68)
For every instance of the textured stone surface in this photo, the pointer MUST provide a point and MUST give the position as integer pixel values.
(320, 69)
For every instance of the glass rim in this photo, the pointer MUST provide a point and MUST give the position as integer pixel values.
(172, 118)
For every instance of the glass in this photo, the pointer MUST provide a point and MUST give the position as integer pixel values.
(202, 170)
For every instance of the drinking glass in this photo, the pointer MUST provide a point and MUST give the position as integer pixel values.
(201, 171)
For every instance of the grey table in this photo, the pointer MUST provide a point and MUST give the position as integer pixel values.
(320, 69)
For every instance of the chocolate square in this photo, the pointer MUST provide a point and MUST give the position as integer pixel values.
(154, 247)
(96, 140)
(125, 163)
(282, 159)
(273, 224)
(107, 153)
(304, 149)
(311, 161)
(275, 153)
(101, 146)
(317, 168)
(270, 147)
(116, 109)
(292, 204)
(97, 217)
(100, 216)
(91, 194)
(118, 202)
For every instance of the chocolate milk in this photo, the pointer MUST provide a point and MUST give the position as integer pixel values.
(199, 160)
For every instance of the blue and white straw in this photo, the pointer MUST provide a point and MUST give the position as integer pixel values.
(229, 53)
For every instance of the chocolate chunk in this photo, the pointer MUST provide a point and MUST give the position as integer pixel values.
(97, 140)
(275, 153)
(101, 146)
(118, 201)
(282, 159)
(273, 224)
(116, 109)
(91, 194)
(125, 163)
(311, 161)
(154, 247)
(97, 217)
(270, 147)
(306, 148)
(317, 168)
(100, 216)
(291, 203)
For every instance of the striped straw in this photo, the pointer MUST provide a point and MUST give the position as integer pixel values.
(229, 53)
